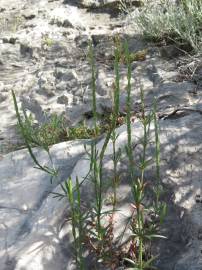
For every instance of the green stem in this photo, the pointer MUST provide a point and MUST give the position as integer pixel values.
(93, 83)
(157, 154)
(108, 136)
(140, 253)
(115, 169)
(128, 116)
(50, 171)
(80, 225)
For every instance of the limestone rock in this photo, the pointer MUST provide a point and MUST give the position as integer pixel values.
(38, 216)
(44, 59)
(24, 218)
(114, 4)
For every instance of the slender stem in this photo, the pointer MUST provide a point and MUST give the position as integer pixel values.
(140, 254)
(113, 126)
(128, 116)
(93, 83)
(80, 225)
(137, 186)
(115, 169)
(73, 215)
(50, 171)
(157, 155)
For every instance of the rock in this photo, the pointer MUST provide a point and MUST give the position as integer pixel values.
(170, 51)
(63, 100)
(29, 212)
(197, 76)
(39, 216)
(82, 41)
(2, 98)
(11, 40)
(42, 62)
(44, 59)
(63, 74)
(66, 17)
(46, 83)
(114, 4)
(29, 14)
(26, 50)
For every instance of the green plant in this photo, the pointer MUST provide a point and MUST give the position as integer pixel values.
(82, 132)
(77, 217)
(160, 208)
(47, 41)
(141, 233)
(93, 227)
(114, 136)
(93, 84)
(116, 158)
(28, 139)
(74, 198)
(100, 235)
(50, 132)
(54, 130)
(180, 23)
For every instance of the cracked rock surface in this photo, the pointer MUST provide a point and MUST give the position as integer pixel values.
(32, 235)
(43, 58)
